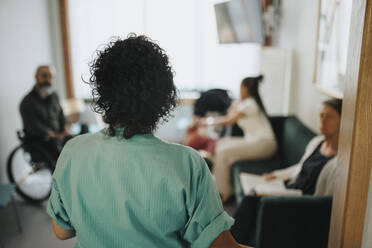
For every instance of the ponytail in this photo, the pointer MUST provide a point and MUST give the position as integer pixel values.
(259, 78)
(251, 83)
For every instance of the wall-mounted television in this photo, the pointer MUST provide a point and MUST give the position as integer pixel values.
(240, 21)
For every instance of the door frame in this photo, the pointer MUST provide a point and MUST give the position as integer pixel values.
(355, 145)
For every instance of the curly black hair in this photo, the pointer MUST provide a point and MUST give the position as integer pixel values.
(132, 85)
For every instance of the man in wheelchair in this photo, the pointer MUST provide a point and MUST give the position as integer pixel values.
(44, 123)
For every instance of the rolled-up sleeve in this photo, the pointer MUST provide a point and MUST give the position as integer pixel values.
(207, 218)
(56, 210)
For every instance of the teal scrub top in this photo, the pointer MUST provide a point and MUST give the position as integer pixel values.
(137, 192)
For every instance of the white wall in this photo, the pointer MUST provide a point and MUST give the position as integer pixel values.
(26, 41)
(185, 29)
(298, 32)
(224, 65)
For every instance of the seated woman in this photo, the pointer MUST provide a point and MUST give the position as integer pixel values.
(122, 186)
(319, 159)
(314, 174)
(258, 141)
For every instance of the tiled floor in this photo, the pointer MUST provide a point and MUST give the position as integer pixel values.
(37, 230)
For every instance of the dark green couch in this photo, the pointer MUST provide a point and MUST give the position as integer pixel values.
(265, 222)
(279, 221)
(292, 137)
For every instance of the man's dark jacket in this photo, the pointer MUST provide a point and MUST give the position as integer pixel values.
(40, 115)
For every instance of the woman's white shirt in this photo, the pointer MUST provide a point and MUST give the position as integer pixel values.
(254, 123)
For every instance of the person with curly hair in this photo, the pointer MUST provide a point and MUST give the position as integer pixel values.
(124, 187)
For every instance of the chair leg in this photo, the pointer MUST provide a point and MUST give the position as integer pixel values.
(16, 216)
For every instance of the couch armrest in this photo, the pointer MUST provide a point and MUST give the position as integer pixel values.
(244, 228)
(301, 221)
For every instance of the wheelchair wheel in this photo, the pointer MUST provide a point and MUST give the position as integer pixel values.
(33, 179)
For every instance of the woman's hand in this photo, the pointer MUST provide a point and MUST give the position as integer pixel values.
(269, 176)
(194, 125)
(229, 119)
(62, 233)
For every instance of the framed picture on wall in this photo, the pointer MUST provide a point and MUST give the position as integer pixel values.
(332, 46)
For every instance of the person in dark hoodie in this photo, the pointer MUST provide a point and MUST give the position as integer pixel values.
(44, 123)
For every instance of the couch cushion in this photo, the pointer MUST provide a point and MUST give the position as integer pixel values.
(294, 138)
(252, 166)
